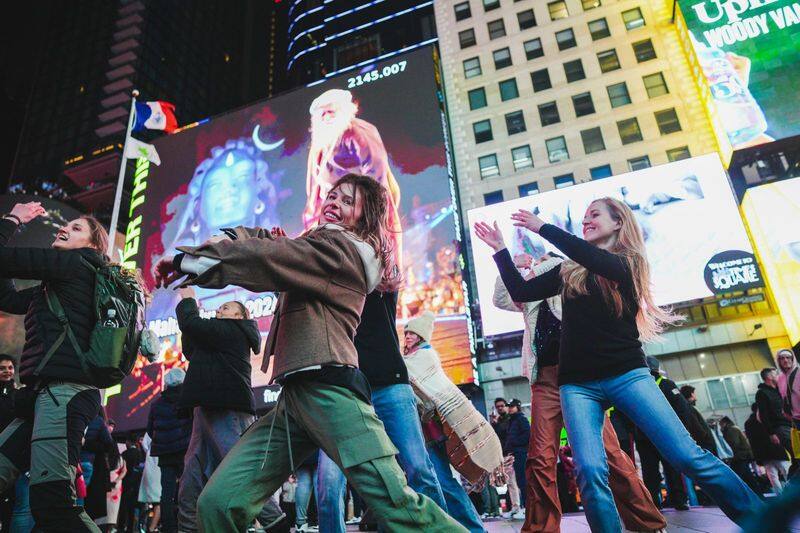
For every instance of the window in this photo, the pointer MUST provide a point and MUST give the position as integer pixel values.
(608, 60)
(599, 29)
(508, 89)
(655, 85)
(557, 149)
(477, 98)
(638, 163)
(583, 104)
(482, 131)
(676, 154)
(548, 113)
(494, 197)
(540, 80)
(472, 67)
(618, 94)
(521, 157)
(565, 39)
(600, 172)
(466, 38)
(574, 70)
(644, 51)
(529, 189)
(558, 10)
(629, 130)
(526, 19)
(590, 4)
(502, 58)
(533, 49)
(515, 122)
(564, 181)
(592, 140)
(488, 166)
(667, 121)
(496, 29)
(489, 5)
(462, 11)
(633, 18)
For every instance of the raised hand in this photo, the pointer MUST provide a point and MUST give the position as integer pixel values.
(27, 212)
(186, 292)
(165, 272)
(491, 235)
(527, 220)
(277, 232)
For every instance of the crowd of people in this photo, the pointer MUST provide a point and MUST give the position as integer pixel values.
(368, 428)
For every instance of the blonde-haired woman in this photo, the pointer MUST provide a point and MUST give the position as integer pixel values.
(607, 308)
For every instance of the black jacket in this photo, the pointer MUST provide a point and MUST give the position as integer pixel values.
(7, 392)
(763, 448)
(218, 351)
(501, 428)
(97, 440)
(519, 433)
(63, 272)
(377, 343)
(170, 431)
(738, 443)
(700, 431)
(770, 408)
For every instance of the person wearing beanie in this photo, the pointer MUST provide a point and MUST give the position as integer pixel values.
(461, 436)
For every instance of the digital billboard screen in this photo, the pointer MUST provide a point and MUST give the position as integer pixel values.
(745, 54)
(772, 214)
(696, 243)
(272, 163)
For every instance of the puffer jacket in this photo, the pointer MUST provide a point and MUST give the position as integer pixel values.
(64, 272)
(218, 351)
(170, 431)
(519, 433)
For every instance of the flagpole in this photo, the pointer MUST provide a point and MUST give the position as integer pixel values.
(112, 231)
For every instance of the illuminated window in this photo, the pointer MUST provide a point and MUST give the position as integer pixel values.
(529, 189)
(644, 51)
(667, 121)
(564, 181)
(497, 29)
(494, 197)
(590, 4)
(466, 38)
(557, 149)
(526, 19)
(558, 10)
(472, 67)
(515, 122)
(462, 11)
(592, 140)
(608, 60)
(574, 70)
(599, 29)
(638, 163)
(600, 172)
(533, 49)
(502, 58)
(629, 130)
(477, 98)
(618, 94)
(676, 154)
(482, 131)
(655, 85)
(488, 166)
(548, 113)
(540, 80)
(633, 18)
(521, 157)
(566, 39)
(508, 89)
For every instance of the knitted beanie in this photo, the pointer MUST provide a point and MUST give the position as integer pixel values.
(174, 377)
(422, 325)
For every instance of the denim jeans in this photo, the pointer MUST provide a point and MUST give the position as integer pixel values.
(21, 518)
(459, 505)
(302, 494)
(636, 394)
(169, 497)
(396, 406)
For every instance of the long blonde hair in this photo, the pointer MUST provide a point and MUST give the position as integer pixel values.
(650, 318)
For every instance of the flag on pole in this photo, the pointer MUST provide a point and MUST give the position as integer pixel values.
(134, 149)
(155, 116)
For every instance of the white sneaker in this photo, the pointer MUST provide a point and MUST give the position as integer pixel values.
(506, 515)
(519, 515)
(484, 516)
(305, 528)
(354, 520)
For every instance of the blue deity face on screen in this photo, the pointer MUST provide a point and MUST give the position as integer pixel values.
(228, 195)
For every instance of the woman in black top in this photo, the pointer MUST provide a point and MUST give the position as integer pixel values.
(607, 308)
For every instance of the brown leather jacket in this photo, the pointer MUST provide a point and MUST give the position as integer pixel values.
(323, 279)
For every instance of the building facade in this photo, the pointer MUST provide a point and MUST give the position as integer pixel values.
(547, 94)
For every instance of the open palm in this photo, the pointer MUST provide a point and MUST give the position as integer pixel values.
(491, 235)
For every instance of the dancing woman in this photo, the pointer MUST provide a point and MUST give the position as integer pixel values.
(323, 278)
(607, 308)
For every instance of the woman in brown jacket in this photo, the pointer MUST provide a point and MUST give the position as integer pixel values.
(323, 278)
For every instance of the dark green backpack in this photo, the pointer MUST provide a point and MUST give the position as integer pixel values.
(114, 341)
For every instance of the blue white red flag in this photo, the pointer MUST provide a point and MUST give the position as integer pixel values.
(155, 116)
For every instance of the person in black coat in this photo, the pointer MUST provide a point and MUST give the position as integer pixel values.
(770, 410)
(696, 424)
(7, 391)
(517, 438)
(771, 456)
(170, 432)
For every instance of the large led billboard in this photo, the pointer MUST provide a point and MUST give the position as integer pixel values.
(696, 243)
(270, 164)
(744, 54)
(772, 214)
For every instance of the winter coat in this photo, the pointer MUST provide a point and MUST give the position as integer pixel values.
(519, 433)
(218, 351)
(770, 408)
(501, 429)
(761, 445)
(738, 443)
(323, 279)
(700, 431)
(7, 393)
(783, 387)
(169, 431)
(97, 440)
(64, 272)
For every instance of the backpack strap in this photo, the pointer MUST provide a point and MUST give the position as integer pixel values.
(54, 304)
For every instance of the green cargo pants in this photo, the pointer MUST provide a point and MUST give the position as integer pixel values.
(312, 415)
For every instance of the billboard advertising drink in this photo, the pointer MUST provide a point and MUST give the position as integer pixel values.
(696, 243)
(271, 163)
(745, 55)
